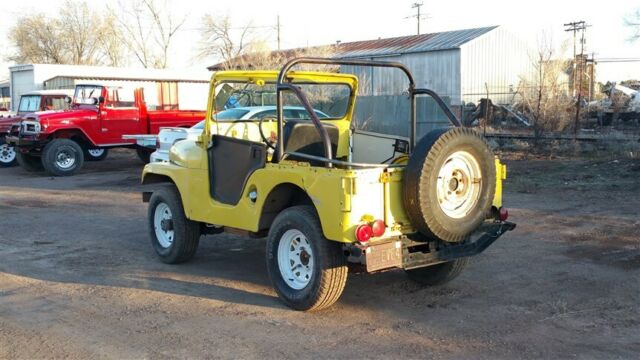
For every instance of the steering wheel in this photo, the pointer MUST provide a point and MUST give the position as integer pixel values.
(271, 140)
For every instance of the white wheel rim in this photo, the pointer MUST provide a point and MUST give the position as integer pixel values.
(164, 235)
(459, 184)
(7, 153)
(65, 159)
(295, 259)
(96, 152)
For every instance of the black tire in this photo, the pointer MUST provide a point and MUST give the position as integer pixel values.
(421, 184)
(438, 274)
(144, 154)
(329, 268)
(8, 156)
(186, 233)
(101, 155)
(62, 157)
(28, 162)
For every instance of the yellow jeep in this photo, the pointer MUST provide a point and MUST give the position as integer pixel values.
(279, 158)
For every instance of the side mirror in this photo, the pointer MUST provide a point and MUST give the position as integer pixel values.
(68, 99)
(101, 99)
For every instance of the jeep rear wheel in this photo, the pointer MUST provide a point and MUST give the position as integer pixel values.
(173, 237)
(438, 274)
(7, 154)
(28, 162)
(62, 157)
(307, 271)
(449, 184)
(95, 154)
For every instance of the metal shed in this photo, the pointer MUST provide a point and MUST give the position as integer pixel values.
(463, 65)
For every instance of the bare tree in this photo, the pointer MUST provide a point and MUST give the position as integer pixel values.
(633, 21)
(544, 92)
(76, 35)
(37, 39)
(219, 39)
(148, 30)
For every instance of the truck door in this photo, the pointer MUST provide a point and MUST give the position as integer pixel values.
(119, 116)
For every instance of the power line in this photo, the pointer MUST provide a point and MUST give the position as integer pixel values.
(418, 16)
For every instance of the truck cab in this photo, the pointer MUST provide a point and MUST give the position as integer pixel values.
(436, 201)
(30, 102)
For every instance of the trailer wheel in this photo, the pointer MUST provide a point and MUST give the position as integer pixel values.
(173, 237)
(449, 183)
(307, 271)
(144, 154)
(7, 154)
(62, 157)
(95, 154)
(438, 274)
(28, 162)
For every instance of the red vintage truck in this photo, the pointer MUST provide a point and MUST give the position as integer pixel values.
(97, 119)
(32, 101)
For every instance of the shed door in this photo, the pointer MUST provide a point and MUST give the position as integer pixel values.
(21, 82)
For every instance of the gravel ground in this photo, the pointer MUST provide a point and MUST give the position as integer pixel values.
(78, 279)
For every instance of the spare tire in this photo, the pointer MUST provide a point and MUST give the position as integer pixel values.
(449, 183)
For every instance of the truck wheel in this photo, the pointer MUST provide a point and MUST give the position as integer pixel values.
(307, 271)
(7, 154)
(174, 237)
(95, 154)
(62, 157)
(28, 162)
(449, 183)
(438, 274)
(144, 154)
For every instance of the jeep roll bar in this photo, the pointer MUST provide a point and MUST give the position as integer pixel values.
(281, 86)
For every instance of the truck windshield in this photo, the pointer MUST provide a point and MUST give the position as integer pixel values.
(87, 94)
(330, 100)
(29, 103)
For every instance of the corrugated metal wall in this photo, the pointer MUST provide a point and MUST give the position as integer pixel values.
(497, 59)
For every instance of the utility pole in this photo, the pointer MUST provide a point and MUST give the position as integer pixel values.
(417, 6)
(575, 27)
(278, 30)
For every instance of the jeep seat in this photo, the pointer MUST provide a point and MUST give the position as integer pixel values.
(303, 137)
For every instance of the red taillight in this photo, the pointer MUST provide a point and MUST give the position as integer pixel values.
(377, 227)
(504, 214)
(364, 232)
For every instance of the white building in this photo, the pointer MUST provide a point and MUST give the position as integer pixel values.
(165, 88)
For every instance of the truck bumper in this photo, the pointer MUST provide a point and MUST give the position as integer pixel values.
(407, 253)
(22, 141)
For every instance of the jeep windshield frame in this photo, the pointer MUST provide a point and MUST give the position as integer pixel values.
(283, 85)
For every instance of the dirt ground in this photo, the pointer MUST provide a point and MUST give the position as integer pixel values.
(78, 279)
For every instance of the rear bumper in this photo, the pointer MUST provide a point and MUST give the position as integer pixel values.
(407, 253)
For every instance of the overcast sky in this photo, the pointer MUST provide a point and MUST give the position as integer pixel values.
(323, 22)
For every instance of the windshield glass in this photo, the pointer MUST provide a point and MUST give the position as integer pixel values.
(85, 94)
(329, 101)
(29, 103)
(198, 126)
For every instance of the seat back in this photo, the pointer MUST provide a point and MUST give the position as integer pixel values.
(303, 137)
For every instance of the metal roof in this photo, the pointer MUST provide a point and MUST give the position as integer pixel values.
(410, 44)
(392, 46)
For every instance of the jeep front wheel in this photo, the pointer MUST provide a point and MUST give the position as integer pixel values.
(173, 237)
(307, 271)
(7, 154)
(62, 157)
